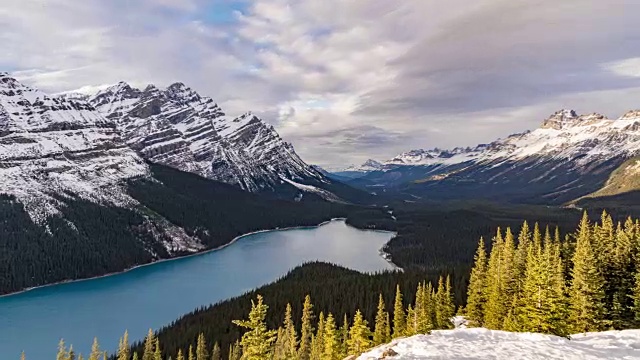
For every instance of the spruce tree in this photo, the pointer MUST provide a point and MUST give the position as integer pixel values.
(179, 357)
(290, 341)
(149, 345)
(216, 352)
(235, 352)
(344, 336)
(359, 335)
(63, 354)
(586, 295)
(157, 353)
(317, 346)
(476, 290)
(331, 340)
(445, 307)
(95, 350)
(278, 348)
(411, 327)
(258, 340)
(495, 308)
(135, 356)
(399, 320)
(201, 348)
(191, 353)
(306, 331)
(123, 348)
(381, 325)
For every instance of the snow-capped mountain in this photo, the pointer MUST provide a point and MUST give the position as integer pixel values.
(178, 127)
(55, 150)
(568, 156)
(369, 165)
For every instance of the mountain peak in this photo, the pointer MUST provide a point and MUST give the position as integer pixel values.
(631, 114)
(559, 118)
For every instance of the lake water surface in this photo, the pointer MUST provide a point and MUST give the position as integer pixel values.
(153, 296)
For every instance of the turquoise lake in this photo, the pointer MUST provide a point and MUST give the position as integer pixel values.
(153, 296)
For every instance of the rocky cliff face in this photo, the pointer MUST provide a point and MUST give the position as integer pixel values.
(178, 127)
(54, 150)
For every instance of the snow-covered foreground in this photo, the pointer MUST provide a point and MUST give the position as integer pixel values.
(479, 343)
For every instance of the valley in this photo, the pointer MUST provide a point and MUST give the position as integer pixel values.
(153, 296)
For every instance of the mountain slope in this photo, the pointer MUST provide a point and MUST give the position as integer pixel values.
(492, 344)
(569, 156)
(179, 128)
(77, 202)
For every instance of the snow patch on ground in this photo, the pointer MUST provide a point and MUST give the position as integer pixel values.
(327, 195)
(480, 343)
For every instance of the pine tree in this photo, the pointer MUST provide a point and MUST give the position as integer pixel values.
(344, 337)
(524, 241)
(95, 350)
(586, 311)
(359, 335)
(157, 353)
(257, 342)
(290, 341)
(135, 356)
(191, 355)
(317, 343)
(235, 352)
(216, 352)
(411, 327)
(445, 307)
(399, 320)
(558, 292)
(149, 345)
(63, 354)
(278, 348)
(534, 296)
(306, 331)
(381, 324)
(495, 308)
(201, 348)
(331, 340)
(123, 347)
(180, 355)
(476, 290)
(72, 354)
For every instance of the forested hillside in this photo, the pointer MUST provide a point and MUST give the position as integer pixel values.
(91, 240)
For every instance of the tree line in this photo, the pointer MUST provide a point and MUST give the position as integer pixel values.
(317, 337)
(540, 282)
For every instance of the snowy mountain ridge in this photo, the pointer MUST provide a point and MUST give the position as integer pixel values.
(178, 127)
(564, 135)
(54, 150)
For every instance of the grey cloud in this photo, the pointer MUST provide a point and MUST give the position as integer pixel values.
(513, 54)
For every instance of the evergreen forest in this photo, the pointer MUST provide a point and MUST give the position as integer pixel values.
(532, 280)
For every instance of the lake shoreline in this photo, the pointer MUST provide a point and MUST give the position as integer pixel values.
(382, 253)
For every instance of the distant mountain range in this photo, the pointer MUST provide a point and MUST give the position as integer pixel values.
(569, 156)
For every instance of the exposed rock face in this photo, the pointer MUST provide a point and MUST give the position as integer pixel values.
(178, 127)
(58, 148)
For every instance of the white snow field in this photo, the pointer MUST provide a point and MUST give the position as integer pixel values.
(480, 343)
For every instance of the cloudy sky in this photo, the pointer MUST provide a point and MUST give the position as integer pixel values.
(345, 80)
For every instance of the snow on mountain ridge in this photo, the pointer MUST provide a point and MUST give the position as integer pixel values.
(565, 134)
(178, 127)
(56, 149)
